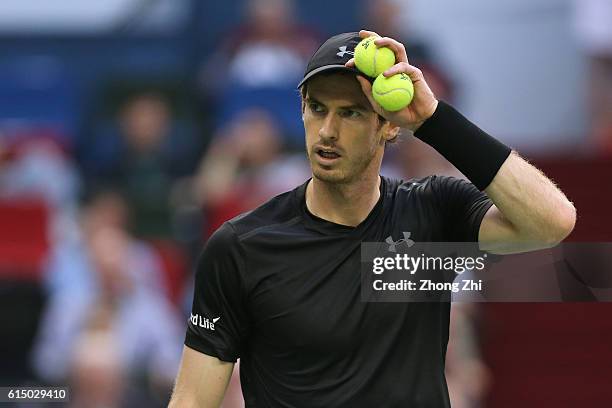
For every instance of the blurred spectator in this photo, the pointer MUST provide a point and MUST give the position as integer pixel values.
(36, 169)
(244, 167)
(114, 336)
(68, 270)
(38, 190)
(143, 154)
(268, 49)
(593, 20)
(259, 63)
(29, 160)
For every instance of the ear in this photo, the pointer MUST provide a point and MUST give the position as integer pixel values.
(390, 131)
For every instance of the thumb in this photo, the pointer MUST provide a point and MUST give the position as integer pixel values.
(366, 87)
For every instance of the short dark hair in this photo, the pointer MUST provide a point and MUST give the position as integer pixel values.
(381, 119)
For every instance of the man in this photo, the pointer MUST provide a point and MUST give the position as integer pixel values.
(279, 287)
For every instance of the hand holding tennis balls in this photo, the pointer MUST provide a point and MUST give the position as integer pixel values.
(424, 102)
(393, 93)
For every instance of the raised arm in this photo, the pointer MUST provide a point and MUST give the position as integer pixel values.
(529, 211)
(201, 381)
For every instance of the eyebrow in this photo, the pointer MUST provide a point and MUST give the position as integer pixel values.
(355, 106)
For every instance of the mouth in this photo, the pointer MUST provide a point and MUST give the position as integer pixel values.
(327, 154)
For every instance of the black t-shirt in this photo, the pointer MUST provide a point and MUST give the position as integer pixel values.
(279, 288)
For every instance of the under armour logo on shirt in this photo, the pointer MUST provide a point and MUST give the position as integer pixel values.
(344, 51)
(393, 244)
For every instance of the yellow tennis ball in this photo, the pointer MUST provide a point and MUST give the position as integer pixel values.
(393, 93)
(373, 60)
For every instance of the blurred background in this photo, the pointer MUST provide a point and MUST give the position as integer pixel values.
(131, 129)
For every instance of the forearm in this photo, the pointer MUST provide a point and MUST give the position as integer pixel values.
(530, 212)
(537, 210)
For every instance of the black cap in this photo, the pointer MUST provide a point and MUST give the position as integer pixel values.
(332, 55)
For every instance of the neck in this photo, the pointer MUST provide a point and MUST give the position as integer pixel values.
(347, 203)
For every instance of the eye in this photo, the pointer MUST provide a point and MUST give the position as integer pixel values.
(350, 113)
(315, 107)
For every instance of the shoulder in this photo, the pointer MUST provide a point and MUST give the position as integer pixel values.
(415, 186)
(434, 184)
(222, 242)
(435, 192)
(227, 243)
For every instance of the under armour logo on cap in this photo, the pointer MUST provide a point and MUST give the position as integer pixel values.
(344, 51)
(394, 244)
(332, 55)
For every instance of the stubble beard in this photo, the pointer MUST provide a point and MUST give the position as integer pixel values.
(347, 172)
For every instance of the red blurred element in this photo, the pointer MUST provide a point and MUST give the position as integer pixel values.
(23, 238)
(18, 138)
(548, 354)
(557, 354)
(586, 182)
(174, 267)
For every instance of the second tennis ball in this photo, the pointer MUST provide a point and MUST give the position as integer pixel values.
(393, 93)
(373, 60)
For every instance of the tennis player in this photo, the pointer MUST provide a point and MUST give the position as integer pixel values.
(279, 287)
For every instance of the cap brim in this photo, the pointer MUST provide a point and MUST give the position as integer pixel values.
(337, 67)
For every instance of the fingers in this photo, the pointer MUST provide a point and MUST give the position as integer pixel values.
(350, 63)
(397, 47)
(366, 34)
(413, 72)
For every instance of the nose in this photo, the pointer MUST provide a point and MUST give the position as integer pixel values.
(329, 128)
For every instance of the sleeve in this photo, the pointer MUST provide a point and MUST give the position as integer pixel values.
(462, 207)
(218, 325)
